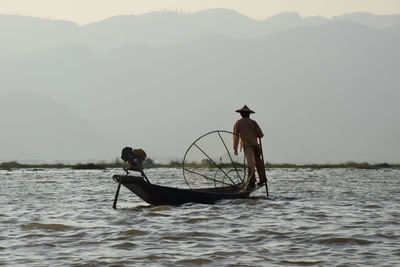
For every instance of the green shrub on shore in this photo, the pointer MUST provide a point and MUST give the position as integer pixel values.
(350, 164)
(15, 165)
(88, 166)
(10, 165)
(149, 163)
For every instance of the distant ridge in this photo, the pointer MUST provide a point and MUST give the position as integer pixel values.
(36, 127)
(21, 34)
(324, 90)
(321, 93)
(370, 20)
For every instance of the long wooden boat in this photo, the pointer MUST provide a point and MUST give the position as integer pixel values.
(164, 195)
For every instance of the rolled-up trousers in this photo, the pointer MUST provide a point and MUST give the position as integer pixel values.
(252, 155)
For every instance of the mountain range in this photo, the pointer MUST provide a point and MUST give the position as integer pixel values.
(37, 127)
(324, 90)
(21, 34)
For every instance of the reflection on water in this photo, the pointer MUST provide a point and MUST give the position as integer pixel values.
(325, 217)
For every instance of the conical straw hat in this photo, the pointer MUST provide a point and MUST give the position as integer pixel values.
(246, 109)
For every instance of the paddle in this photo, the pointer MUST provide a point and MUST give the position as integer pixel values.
(118, 188)
(263, 166)
(117, 193)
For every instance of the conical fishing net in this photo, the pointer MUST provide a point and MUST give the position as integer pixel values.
(210, 162)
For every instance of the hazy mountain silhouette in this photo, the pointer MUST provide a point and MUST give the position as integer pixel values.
(370, 20)
(394, 32)
(321, 93)
(36, 127)
(22, 35)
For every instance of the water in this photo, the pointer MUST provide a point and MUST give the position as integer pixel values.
(330, 217)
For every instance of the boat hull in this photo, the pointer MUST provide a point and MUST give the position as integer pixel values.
(164, 195)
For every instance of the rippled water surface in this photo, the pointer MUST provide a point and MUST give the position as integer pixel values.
(330, 217)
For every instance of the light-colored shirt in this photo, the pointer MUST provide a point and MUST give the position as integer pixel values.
(248, 130)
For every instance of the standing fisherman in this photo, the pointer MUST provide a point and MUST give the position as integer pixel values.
(248, 131)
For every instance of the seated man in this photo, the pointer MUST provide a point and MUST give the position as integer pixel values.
(134, 158)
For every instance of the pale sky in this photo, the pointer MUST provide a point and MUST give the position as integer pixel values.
(86, 11)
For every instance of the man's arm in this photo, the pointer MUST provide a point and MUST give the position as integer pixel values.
(259, 133)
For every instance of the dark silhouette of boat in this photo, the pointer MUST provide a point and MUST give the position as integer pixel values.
(164, 195)
(228, 179)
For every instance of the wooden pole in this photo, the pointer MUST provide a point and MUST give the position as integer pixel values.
(263, 166)
(117, 193)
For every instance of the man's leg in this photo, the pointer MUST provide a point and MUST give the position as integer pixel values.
(259, 164)
(249, 156)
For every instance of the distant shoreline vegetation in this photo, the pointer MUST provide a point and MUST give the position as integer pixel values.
(149, 163)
